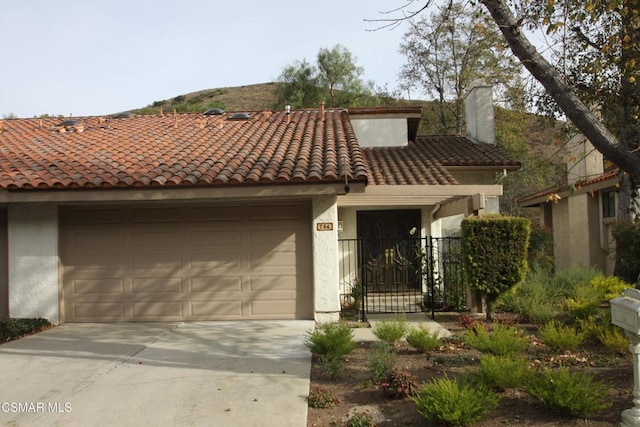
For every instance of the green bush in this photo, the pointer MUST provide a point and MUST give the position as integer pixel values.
(609, 335)
(14, 328)
(569, 393)
(609, 287)
(612, 337)
(560, 337)
(381, 360)
(332, 366)
(565, 282)
(500, 372)
(502, 340)
(627, 237)
(360, 419)
(330, 340)
(422, 339)
(587, 298)
(584, 304)
(495, 254)
(391, 330)
(453, 402)
(320, 397)
(531, 299)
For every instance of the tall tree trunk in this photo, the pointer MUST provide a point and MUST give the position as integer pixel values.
(573, 107)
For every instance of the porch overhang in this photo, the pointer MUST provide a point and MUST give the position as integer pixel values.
(451, 199)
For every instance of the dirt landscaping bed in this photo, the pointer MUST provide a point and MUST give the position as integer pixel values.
(453, 358)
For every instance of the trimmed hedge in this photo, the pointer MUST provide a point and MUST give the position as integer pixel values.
(495, 253)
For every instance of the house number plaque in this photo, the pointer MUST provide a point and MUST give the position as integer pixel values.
(324, 226)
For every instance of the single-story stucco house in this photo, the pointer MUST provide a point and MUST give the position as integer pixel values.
(216, 216)
(581, 211)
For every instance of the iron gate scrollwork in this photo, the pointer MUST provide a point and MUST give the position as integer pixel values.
(380, 275)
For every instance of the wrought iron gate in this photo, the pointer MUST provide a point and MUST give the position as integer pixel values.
(401, 275)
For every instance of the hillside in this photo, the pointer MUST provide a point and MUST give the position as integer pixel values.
(534, 140)
(254, 97)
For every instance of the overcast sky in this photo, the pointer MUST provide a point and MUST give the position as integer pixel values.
(85, 57)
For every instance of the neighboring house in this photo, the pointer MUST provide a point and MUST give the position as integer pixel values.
(582, 211)
(221, 216)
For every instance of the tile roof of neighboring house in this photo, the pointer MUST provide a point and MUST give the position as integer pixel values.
(609, 174)
(195, 150)
(426, 160)
(178, 150)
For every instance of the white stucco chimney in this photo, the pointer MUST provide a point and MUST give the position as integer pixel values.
(583, 160)
(479, 114)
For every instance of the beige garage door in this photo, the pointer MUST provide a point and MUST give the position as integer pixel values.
(126, 264)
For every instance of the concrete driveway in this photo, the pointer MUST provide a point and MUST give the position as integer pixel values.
(162, 374)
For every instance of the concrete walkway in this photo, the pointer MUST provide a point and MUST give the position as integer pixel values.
(253, 373)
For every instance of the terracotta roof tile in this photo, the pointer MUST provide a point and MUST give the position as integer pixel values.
(611, 174)
(455, 150)
(179, 150)
(425, 161)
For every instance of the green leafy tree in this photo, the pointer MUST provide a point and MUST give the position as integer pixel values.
(335, 76)
(299, 85)
(447, 53)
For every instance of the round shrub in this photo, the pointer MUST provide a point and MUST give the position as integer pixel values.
(422, 339)
(452, 402)
(569, 393)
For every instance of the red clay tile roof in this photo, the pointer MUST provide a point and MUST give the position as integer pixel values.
(426, 160)
(456, 150)
(610, 174)
(195, 150)
(179, 150)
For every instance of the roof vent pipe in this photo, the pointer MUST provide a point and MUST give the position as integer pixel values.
(322, 110)
(287, 111)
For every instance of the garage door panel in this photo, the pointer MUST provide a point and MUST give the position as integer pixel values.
(99, 216)
(283, 212)
(144, 216)
(150, 263)
(98, 311)
(282, 239)
(217, 310)
(97, 266)
(216, 284)
(156, 285)
(152, 310)
(280, 309)
(155, 239)
(186, 263)
(96, 238)
(229, 213)
(262, 261)
(215, 238)
(273, 283)
(216, 263)
(98, 286)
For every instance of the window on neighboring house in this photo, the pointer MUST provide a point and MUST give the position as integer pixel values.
(609, 204)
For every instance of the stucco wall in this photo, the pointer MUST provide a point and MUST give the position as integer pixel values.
(561, 234)
(380, 132)
(325, 260)
(4, 286)
(33, 261)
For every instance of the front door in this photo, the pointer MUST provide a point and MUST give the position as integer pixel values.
(389, 258)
